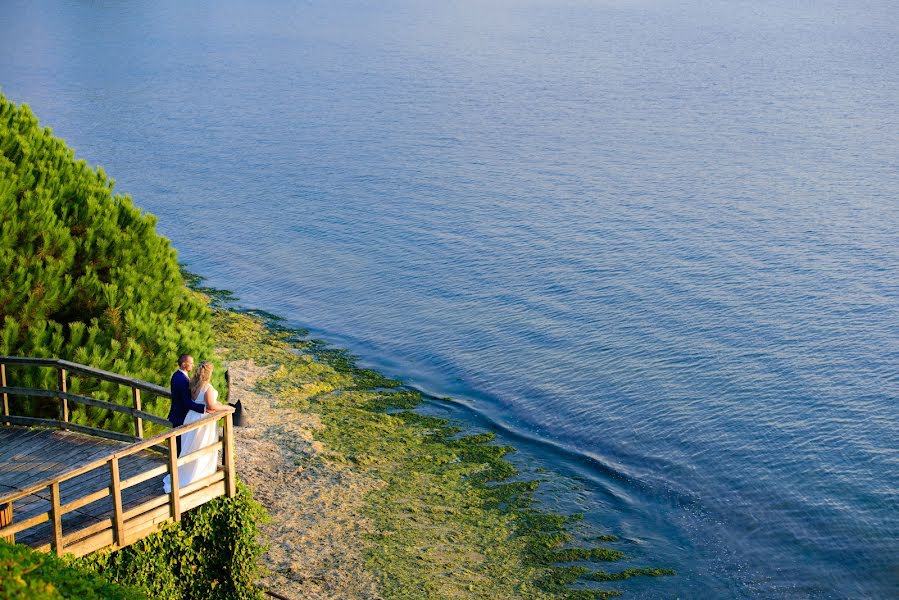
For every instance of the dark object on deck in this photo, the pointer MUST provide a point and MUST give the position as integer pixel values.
(238, 416)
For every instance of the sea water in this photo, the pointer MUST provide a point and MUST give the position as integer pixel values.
(653, 243)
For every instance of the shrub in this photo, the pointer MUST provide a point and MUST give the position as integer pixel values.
(211, 555)
(29, 575)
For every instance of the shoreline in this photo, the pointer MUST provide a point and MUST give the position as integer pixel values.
(459, 402)
(467, 525)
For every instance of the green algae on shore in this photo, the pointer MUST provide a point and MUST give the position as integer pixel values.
(449, 521)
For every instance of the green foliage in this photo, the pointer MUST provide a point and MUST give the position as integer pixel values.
(85, 275)
(212, 554)
(87, 278)
(29, 575)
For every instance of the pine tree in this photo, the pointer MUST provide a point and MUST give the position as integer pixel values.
(83, 274)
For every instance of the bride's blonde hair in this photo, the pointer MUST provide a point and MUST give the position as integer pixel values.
(201, 377)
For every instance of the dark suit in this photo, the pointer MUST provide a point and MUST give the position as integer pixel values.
(182, 402)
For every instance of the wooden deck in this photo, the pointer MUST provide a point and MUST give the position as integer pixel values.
(29, 456)
(76, 489)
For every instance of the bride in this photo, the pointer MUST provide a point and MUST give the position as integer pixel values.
(201, 390)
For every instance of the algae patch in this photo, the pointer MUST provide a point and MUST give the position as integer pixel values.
(448, 520)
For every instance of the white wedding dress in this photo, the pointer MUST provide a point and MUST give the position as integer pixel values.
(194, 440)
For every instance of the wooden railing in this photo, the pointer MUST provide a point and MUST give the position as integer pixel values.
(122, 527)
(66, 369)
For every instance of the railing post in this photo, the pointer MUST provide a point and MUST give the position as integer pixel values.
(116, 491)
(56, 515)
(5, 395)
(174, 497)
(64, 407)
(6, 519)
(138, 422)
(228, 458)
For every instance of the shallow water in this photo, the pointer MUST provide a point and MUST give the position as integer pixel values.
(653, 243)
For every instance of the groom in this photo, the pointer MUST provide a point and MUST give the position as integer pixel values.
(181, 400)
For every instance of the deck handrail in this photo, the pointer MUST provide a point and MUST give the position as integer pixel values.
(24, 361)
(65, 367)
(124, 527)
(120, 454)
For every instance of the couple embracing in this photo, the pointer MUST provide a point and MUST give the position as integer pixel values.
(192, 398)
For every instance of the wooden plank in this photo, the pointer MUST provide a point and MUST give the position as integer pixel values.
(51, 450)
(86, 370)
(64, 404)
(130, 466)
(151, 513)
(23, 459)
(28, 472)
(97, 541)
(32, 421)
(136, 529)
(5, 395)
(116, 500)
(201, 483)
(158, 502)
(150, 529)
(154, 494)
(85, 485)
(128, 410)
(212, 448)
(203, 496)
(138, 423)
(86, 531)
(134, 448)
(154, 472)
(155, 516)
(16, 438)
(56, 517)
(62, 451)
(126, 472)
(141, 500)
(175, 502)
(30, 506)
(112, 435)
(22, 493)
(85, 500)
(27, 361)
(23, 525)
(130, 470)
(33, 392)
(228, 456)
(156, 390)
(6, 519)
(29, 444)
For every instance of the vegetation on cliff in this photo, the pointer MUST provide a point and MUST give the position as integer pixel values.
(87, 278)
(29, 575)
(85, 275)
(211, 555)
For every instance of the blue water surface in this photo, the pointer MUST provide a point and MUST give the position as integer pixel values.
(652, 242)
